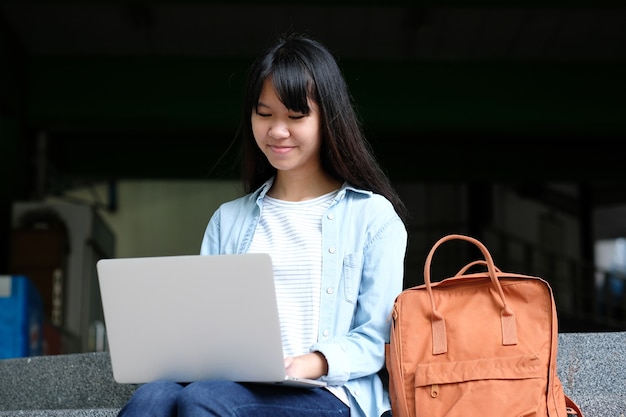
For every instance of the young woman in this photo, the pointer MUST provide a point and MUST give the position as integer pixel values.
(319, 204)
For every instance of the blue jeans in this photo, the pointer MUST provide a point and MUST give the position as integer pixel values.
(225, 398)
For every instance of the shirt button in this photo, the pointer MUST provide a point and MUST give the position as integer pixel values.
(330, 216)
(329, 290)
(331, 249)
(326, 333)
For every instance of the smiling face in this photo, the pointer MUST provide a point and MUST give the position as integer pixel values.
(289, 139)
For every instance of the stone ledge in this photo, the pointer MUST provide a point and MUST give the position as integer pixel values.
(99, 412)
(592, 369)
(72, 382)
(591, 366)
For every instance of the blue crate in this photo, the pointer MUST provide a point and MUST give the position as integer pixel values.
(21, 318)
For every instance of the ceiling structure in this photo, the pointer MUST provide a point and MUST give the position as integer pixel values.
(588, 37)
(593, 31)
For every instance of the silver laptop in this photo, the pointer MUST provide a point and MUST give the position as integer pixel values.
(192, 317)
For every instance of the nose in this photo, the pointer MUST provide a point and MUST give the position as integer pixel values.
(279, 130)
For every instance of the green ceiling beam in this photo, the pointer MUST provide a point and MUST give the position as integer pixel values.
(202, 94)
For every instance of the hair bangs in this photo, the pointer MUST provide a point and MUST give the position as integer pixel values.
(293, 85)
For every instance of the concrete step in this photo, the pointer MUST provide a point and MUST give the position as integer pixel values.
(81, 381)
(96, 412)
(591, 366)
(592, 369)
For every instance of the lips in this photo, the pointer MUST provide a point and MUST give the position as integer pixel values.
(281, 149)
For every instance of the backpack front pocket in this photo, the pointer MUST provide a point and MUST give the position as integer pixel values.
(500, 387)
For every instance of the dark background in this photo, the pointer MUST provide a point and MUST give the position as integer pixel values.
(525, 93)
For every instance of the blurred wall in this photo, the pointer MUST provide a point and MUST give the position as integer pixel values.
(153, 218)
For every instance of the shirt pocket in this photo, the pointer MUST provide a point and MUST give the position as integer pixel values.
(352, 265)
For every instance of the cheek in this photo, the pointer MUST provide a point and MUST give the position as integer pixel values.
(257, 130)
(313, 136)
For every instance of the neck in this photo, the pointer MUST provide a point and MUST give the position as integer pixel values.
(299, 188)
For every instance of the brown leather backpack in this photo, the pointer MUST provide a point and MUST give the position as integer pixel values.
(475, 345)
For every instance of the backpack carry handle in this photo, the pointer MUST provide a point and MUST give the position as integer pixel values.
(472, 264)
(507, 317)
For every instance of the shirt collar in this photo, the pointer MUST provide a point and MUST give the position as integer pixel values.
(345, 187)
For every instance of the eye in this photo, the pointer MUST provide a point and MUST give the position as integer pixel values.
(296, 115)
(263, 114)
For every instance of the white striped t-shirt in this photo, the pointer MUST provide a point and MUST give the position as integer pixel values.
(291, 232)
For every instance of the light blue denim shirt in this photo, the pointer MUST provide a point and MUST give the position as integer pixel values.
(363, 248)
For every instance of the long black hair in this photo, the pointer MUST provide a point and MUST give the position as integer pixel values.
(301, 68)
